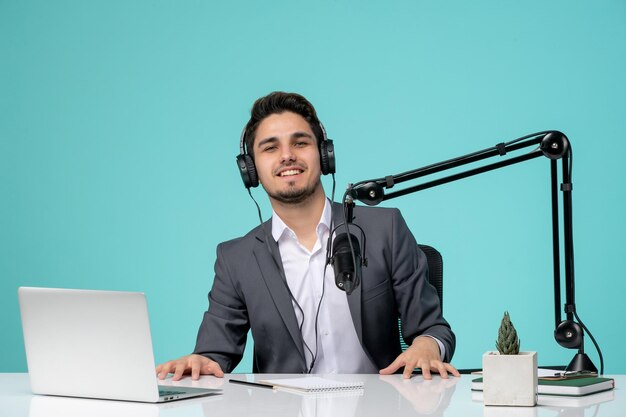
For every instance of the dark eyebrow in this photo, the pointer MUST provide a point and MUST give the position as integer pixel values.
(274, 139)
(297, 135)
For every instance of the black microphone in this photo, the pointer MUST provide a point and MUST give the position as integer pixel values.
(347, 274)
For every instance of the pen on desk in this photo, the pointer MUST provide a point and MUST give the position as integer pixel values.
(575, 374)
(254, 384)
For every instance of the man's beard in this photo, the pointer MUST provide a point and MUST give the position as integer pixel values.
(294, 195)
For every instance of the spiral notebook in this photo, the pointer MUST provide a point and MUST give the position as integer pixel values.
(313, 384)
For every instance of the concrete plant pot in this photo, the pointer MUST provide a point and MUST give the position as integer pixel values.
(510, 379)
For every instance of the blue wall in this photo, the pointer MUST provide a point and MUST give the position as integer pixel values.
(119, 126)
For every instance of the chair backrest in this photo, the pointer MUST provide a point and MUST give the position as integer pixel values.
(435, 269)
(435, 278)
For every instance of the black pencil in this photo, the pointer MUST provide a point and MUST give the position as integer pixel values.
(254, 384)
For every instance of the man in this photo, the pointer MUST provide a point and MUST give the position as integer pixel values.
(275, 280)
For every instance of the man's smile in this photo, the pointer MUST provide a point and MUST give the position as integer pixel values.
(290, 172)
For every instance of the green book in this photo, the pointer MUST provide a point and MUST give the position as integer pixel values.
(571, 387)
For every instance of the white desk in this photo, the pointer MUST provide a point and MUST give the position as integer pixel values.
(387, 396)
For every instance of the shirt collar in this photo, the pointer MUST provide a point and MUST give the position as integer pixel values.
(279, 228)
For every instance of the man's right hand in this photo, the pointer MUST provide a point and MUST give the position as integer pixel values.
(193, 364)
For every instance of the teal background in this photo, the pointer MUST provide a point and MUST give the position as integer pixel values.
(120, 121)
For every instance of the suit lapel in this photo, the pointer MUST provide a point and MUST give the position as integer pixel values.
(354, 299)
(273, 275)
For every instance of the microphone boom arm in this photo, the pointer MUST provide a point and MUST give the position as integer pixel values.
(551, 144)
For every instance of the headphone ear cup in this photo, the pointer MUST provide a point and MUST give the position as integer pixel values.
(327, 157)
(247, 169)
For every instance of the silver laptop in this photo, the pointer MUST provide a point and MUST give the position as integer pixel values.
(92, 344)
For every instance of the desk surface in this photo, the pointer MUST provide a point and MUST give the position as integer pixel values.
(383, 396)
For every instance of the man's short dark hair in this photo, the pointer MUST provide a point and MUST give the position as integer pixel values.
(276, 103)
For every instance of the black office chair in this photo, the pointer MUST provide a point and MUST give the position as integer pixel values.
(435, 278)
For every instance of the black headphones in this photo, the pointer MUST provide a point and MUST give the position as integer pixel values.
(247, 169)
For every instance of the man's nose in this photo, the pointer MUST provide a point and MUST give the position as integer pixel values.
(287, 154)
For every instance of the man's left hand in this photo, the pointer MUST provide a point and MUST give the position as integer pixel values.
(424, 354)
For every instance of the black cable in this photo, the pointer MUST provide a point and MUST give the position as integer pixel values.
(317, 315)
(328, 244)
(280, 271)
(593, 340)
(269, 248)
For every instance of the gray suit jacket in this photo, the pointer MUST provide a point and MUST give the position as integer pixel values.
(249, 293)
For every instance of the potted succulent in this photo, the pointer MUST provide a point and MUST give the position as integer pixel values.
(509, 376)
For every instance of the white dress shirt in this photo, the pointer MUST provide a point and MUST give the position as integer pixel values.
(338, 349)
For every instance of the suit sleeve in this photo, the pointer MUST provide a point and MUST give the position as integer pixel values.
(224, 328)
(417, 300)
